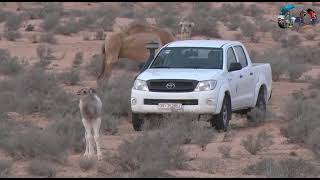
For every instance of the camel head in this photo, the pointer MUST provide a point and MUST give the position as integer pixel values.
(86, 91)
(186, 29)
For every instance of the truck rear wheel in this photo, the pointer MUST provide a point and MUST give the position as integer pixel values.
(221, 121)
(137, 122)
(260, 106)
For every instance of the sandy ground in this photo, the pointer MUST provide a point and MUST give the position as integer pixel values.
(202, 162)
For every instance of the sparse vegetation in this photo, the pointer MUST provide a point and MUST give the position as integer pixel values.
(12, 35)
(78, 59)
(254, 144)
(70, 27)
(9, 65)
(5, 167)
(13, 22)
(45, 56)
(225, 151)
(95, 64)
(50, 21)
(100, 35)
(86, 163)
(41, 168)
(285, 168)
(70, 78)
(48, 38)
(30, 27)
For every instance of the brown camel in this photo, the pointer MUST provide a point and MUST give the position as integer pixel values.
(131, 43)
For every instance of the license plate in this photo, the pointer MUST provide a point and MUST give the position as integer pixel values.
(170, 106)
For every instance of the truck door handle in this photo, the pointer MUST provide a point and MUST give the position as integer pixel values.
(251, 73)
(241, 76)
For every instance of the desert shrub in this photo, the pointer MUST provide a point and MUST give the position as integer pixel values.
(206, 25)
(12, 35)
(4, 15)
(149, 155)
(86, 163)
(295, 71)
(48, 38)
(225, 151)
(310, 36)
(34, 143)
(302, 119)
(212, 165)
(45, 56)
(13, 22)
(255, 39)
(41, 168)
(100, 35)
(254, 11)
(115, 95)
(315, 83)
(234, 23)
(37, 91)
(254, 144)
(285, 168)
(248, 29)
(277, 62)
(5, 167)
(78, 59)
(51, 8)
(30, 27)
(276, 34)
(9, 65)
(107, 16)
(227, 137)
(70, 78)
(256, 117)
(292, 41)
(110, 123)
(70, 27)
(50, 21)
(95, 65)
(265, 25)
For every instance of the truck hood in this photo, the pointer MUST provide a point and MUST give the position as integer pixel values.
(192, 74)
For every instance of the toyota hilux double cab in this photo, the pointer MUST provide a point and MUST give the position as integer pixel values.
(203, 77)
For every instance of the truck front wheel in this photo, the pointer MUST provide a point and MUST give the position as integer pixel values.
(221, 120)
(137, 122)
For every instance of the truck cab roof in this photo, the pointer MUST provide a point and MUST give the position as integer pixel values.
(202, 43)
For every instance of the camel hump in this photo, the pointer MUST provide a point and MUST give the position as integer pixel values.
(139, 27)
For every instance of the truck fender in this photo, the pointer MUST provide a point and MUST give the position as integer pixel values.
(261, 82)
(223, 89)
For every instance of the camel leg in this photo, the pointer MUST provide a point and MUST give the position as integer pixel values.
(111, 53)
(88, 136)
(96, 129)
(87, 145)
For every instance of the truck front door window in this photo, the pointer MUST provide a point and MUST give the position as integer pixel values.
(231, 57)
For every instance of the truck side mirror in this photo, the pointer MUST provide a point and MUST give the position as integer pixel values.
(235, 67)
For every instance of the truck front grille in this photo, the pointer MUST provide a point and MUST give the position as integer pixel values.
(181, 101)
(171, 85)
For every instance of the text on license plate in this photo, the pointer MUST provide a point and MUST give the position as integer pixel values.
(169, 106)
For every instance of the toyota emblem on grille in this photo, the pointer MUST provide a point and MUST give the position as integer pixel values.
(170, 85)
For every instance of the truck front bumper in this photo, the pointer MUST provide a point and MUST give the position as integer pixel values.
(206, 101)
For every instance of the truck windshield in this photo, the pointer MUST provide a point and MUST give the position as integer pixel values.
(189, 57)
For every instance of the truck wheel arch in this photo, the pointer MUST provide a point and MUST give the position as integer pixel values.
(260, 87)
(224, 91)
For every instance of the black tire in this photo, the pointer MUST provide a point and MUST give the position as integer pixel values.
(261, 105)
(137, 122)
(221, 121)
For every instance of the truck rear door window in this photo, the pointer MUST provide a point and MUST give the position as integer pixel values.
(241, 56)
(231, 57)
(189, 57)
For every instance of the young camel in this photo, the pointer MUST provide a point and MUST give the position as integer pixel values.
(90, 109)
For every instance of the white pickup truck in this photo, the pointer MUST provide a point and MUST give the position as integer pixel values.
(205, 77)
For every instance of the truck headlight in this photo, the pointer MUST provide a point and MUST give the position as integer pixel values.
(140, 85)
(206, 85)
